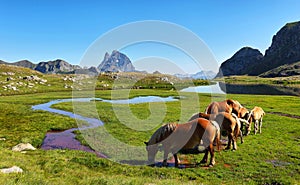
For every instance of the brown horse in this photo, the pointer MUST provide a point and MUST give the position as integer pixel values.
(228, 122)
(228, 105)
(174, 137)
(256, 114)
(245, 119)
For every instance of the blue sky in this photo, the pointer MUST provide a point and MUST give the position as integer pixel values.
(42, 30)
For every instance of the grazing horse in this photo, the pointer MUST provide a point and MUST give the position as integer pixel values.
(245, 118)
(228, 122)
(256, 114)
(228, 105)
(174, 137)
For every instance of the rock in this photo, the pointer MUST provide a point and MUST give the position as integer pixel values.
(284, 50)
(22, 147)
(2, 139)
(116, 62)
(239, 63)
(14, 169)
(56, 66)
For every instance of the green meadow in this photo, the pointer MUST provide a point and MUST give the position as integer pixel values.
(270, 157)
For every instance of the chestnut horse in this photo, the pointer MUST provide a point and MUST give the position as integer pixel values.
(174, 137)
(256, 114)
(245, 119)
(228, 122)
(228, 105)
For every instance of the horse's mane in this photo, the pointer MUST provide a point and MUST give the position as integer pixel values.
(162, 133)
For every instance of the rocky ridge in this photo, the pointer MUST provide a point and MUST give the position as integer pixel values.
(284, 50)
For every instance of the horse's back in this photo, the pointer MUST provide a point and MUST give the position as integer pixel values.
(257, 112)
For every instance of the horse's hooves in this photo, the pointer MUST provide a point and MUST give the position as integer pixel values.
(203, 162)
(210, 165)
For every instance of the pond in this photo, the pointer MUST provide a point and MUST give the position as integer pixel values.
(259, 89)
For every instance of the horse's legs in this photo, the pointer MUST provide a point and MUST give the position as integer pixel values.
(248, 129)
(260, 124)
(234, 146)
(212, 155)
(166, 152)
(241, 135)
(230, 139)
(255, 127)
(176, 159)
(204, 160)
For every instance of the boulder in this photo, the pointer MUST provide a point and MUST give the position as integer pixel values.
(22, 147)
(14, 169)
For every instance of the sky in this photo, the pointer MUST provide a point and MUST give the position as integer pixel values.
(43, 30)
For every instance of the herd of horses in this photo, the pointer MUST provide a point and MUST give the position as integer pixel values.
(205, 129)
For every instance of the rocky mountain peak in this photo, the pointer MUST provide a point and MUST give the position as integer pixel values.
(285, 49)
(237, 64)
(116, 62)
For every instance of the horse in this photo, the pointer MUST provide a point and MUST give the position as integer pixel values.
(256, 114)
(228, 122)
(245, 119)
(173, 137)
(228, 105)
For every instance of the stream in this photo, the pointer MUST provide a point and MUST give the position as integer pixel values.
(66, 139)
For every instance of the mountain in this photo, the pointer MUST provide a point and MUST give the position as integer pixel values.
(284, 50)
(116, 62)
(239, 62)
(205, 75)
(56, 66)
(21, 63)
(284, 70)
(25, 63)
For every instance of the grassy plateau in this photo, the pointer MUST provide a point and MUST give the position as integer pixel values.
(272, 157)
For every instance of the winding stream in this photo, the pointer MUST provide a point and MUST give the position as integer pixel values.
(66, 139)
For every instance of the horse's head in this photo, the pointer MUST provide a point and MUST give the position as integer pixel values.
(152, 149)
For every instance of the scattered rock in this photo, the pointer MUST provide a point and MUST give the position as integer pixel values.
(23, 146)
(2, 139)
(14, 169)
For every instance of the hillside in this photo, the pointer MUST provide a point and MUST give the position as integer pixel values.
(284, 50)
(283, 71)
(21, 80)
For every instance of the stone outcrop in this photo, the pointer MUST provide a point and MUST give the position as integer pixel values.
(14, 169)
(240, 62)
(116, 62)
(23, 147)
(284, 50)
(56, 66)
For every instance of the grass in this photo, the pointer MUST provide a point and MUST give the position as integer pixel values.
(270, 157)
(292, 81)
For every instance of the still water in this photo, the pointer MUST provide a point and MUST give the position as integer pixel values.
(259, 89)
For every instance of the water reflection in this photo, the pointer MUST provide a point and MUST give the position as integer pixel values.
(259, 89)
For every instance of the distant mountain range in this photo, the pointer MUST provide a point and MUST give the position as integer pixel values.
(205, 75)
(279, 60)
(114, 62)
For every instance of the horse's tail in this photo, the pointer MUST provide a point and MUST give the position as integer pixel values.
(218, 140)
(237, 128)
